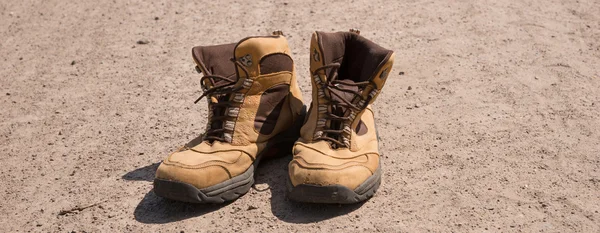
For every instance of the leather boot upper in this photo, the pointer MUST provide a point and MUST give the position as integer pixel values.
(338, 144)
(252, 96)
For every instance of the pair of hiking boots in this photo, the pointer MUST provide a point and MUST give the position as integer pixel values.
(256, 111)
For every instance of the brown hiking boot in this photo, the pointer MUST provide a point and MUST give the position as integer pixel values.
(255, 111)
(336, 160)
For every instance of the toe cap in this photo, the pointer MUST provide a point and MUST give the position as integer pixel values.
(331, 167)
(203, 170)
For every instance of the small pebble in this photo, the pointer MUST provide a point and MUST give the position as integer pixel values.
(156, 18)
(401, 73)
(73, 63)
(143, 41)
(409, 88)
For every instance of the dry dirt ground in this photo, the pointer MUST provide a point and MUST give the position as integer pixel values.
(489, 122)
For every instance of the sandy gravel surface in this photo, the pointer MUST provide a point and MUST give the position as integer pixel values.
(490, 120)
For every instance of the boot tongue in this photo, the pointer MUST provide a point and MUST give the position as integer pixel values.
(215, 60)
(345, 93)
(339, 96)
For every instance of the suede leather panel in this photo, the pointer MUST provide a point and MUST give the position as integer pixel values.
(245, 132)
(324, 148)
(382, 73)
(296, 102)
(276, 62)
(269, 109)
(200, 178)
(369, 139)
(187, 158)
(206, 147)
(361, 128)
(316, 159)
(285, 119)
(347, 177)
(257, 48)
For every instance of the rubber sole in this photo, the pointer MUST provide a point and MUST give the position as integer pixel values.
(335, 194)
(235, 187)
(226, 191)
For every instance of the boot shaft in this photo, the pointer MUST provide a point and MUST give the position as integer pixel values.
(262, 97)
(348, 72)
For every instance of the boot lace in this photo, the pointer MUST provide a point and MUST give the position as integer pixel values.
(336, 112)
(217, 110)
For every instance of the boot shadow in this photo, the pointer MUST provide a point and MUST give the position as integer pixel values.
(274, 173)
(153, 209)
(157, 210)
(142, 174)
